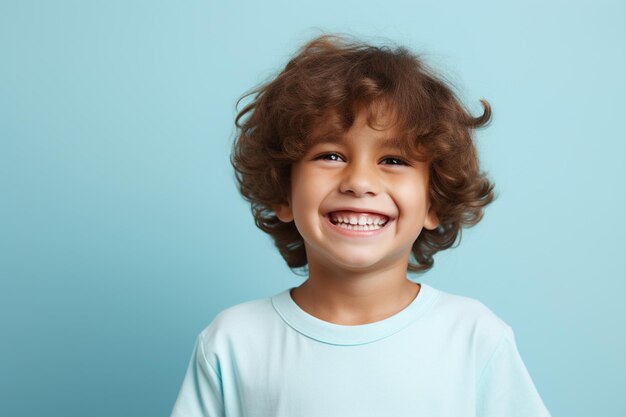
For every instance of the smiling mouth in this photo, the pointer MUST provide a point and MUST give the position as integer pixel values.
(358, 221)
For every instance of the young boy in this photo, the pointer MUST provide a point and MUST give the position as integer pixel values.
(359, 162)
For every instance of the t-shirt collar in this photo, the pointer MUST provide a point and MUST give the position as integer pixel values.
(339, 334)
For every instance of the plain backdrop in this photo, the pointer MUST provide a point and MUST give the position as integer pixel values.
(122, 233)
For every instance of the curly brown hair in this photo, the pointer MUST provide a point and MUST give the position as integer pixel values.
(327, 81)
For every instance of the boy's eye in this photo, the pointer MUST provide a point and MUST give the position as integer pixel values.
(330, 157)
(394, 161)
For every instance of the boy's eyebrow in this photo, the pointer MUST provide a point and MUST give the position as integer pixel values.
(387, 141)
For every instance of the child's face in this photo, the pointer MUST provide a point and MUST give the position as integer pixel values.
(360, 179)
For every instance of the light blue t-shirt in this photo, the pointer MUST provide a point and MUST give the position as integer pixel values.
(444, 355)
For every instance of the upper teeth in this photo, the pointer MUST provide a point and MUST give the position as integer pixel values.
(360, 219)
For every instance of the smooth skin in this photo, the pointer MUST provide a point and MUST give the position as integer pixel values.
(357, 278)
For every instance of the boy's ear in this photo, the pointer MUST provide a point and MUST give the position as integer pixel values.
(283, 212)
(432, 220)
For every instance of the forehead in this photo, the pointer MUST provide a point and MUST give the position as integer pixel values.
(380, 127)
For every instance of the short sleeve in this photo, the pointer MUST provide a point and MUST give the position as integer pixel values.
(201, 394)
(505, 388)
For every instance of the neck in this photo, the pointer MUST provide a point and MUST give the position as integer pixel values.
(355, 297)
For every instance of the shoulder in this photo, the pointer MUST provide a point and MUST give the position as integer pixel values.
(241, 322)
(469, 326)
(239, 317)
(469, 308)
(470, 315)
(236, 330)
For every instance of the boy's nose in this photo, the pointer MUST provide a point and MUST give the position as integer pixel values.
(360, 180)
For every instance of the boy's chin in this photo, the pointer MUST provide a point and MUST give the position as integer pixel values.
(362, 264)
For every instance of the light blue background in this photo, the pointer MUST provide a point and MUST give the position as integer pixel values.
(122, 233)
